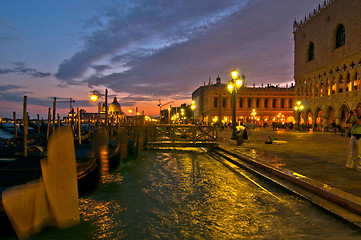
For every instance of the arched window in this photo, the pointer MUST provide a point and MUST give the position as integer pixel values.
(340, 36)
(257, 102)
(241, 102)
(224, 104)
(311, 52)
(274, 103)
(249, 104)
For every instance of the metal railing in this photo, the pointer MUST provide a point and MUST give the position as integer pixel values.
(181, 135)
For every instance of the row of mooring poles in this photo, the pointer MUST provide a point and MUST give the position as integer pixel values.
(51, 122)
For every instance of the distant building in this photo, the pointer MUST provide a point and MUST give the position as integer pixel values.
(114, 112)
(269, 103)
(177, 115)
(328, 61)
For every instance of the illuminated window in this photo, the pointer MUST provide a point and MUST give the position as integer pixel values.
(340, 36)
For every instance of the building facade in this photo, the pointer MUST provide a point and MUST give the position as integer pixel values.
(259, 105)
(328, 62)
(115, 112)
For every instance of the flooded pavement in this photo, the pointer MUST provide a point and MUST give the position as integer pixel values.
(320, 156)
(187, 194)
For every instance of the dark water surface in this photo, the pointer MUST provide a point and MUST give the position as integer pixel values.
(174, 194)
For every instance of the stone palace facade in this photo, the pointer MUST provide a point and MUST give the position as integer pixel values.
(327, 63)
(259, 105)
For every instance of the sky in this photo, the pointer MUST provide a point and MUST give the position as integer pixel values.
(142, 51)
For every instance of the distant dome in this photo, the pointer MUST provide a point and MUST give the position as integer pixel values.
(114, 107)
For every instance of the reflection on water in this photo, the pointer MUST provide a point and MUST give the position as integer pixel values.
(172, 194)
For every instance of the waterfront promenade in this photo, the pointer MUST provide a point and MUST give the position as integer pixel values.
(316, 155)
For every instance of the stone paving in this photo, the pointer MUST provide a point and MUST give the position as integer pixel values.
(316, 155)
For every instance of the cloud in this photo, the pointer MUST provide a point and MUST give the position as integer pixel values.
(8, 87)
(7, 33)
(19, 67)
(167, 50)
(256, 39)
(100, 68)
(141, 24)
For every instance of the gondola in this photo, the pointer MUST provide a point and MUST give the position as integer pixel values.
(7, 127)
(43, 127)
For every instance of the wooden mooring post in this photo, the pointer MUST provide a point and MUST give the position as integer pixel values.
(122, 138)
(15, 126)
(38, 123)
(49, 123)
(25, 124)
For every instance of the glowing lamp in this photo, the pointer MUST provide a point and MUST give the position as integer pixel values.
(238, 83)
(234, 74)
(93, 97)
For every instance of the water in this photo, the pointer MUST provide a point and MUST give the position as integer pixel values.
(173, 194)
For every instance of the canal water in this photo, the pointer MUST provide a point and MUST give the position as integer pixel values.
(187, 194)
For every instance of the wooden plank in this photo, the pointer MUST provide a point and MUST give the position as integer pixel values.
(181, 144)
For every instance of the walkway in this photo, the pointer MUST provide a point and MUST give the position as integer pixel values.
(319, 156)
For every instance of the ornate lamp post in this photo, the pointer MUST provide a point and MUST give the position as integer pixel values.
(94, 96)
(298, 109)
(233, 87)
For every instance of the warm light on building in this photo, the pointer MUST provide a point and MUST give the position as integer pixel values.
(267, 101)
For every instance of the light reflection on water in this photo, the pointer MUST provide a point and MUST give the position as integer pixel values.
(173, 194)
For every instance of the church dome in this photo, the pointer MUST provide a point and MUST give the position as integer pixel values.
(114, 107)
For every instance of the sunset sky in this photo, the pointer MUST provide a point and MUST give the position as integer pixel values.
(142, 51)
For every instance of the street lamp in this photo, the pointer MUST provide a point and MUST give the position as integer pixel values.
(94, 96)
(169, 109)
(193, 107)
(298, 108)
(233, 86)
(182, 113)
(254, 113)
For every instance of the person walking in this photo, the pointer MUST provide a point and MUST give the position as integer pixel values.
(333, 125)
(354, 150)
